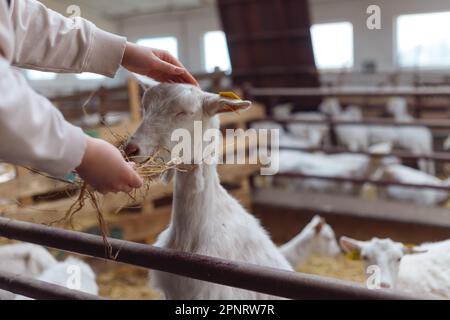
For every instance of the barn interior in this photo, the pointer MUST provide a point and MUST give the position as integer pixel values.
(357, 91)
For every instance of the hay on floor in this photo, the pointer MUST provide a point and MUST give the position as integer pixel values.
(339, 268)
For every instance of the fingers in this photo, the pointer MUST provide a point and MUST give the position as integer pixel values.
(135, 181)
(172, 60)
(175, 69)
(169, 68)
(188, 78)
(130, 180)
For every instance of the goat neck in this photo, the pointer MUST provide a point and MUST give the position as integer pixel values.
(298, 249)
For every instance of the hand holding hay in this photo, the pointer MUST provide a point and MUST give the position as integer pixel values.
(104, 168)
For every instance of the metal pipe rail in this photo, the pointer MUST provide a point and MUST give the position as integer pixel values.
(349, 91)
(41, 290)
(436, 156)
(444, 125)
(383, 183)
(240, 275)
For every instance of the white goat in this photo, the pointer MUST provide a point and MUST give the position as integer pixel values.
(72, 274)
(24, 259)
(404, 174)
(282, 111)
(335, 165)
(421, 270)
(308, 135)
(205, 219)
(418, 140)
(285, 139)
(314, 133)
(354, 137)
(316, 238)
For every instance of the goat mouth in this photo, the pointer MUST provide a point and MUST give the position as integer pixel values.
(139, 159)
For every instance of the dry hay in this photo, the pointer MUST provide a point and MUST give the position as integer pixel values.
(339, 268)
(5, 241)
(123, 282)
(151, 169)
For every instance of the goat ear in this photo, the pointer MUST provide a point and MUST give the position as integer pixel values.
(350, 245)
(413, 250)
(216, 104)
(319, 223)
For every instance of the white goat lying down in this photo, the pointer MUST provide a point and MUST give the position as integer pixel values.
(67, 274)
(24, 259)
(404, 174)
(422, 270)
(320, 165)
(316, 238)
(334, 165)
(418, 140)
(311, 135)
(285, 139)
(354, 137)
(36, 262)
(205, 219)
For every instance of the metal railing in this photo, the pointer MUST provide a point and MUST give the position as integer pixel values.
(216, 270)
(435, 156)
(432, 124)
(382, 183)
(36, 289)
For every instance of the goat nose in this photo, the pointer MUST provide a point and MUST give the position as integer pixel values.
(385, 285)
(131, 150)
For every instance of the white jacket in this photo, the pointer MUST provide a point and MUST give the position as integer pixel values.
(32, 131)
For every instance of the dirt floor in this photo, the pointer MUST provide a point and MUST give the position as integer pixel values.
(126, 283)
(340, 268)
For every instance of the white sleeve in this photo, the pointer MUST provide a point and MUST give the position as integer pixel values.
(46, 40)
(32, 131)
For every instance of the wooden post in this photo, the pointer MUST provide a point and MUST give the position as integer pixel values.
(134, 99)
(216, 78)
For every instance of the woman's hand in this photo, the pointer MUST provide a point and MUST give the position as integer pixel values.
(104, 168)
(157, 64)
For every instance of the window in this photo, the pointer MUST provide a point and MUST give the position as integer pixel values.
(333, 45)
(39, 75)
(216, 51)
(89, 76)
(423, 40)
(164, 43)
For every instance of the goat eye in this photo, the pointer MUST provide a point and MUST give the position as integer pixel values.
(179, 114)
